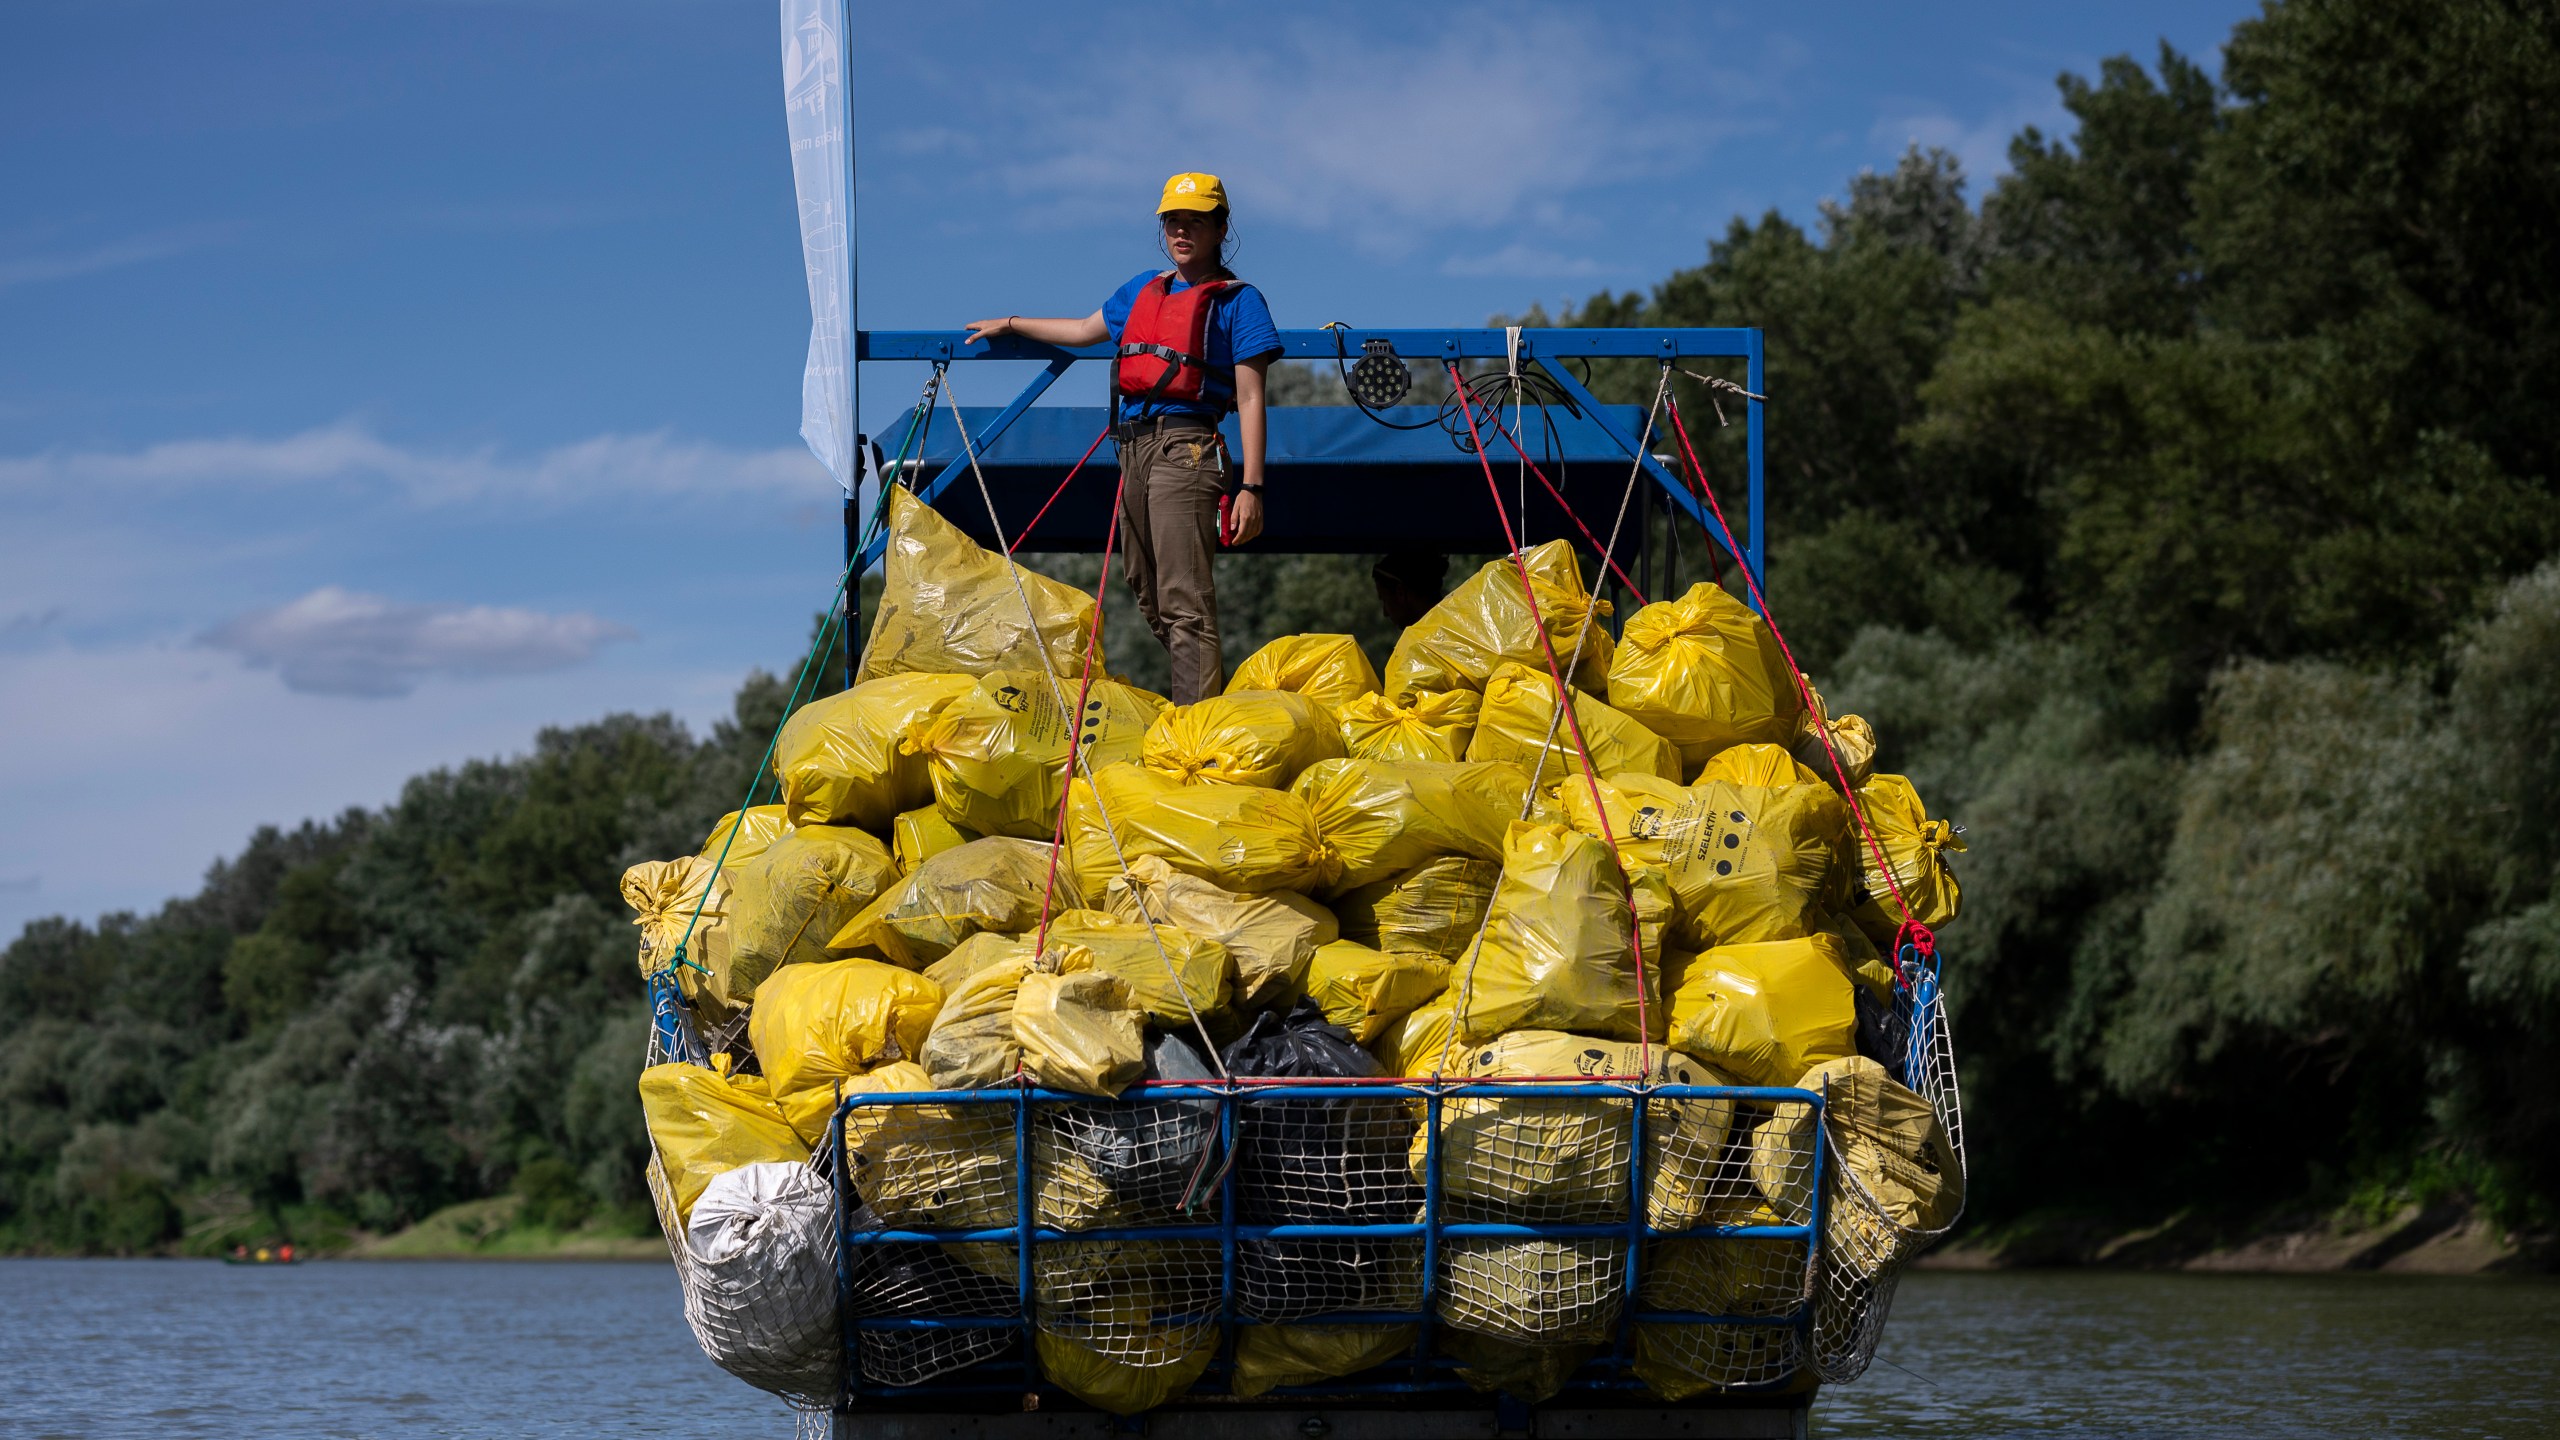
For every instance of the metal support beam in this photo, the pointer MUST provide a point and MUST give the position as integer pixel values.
(1431, 347)
(1039, 385)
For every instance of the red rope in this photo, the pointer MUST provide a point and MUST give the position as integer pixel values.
(1561, 503)
(1911, 932)
(1061, 490)
(1564, 697)
(1075, 722)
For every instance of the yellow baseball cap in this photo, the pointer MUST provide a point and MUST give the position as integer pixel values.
(1192, 190)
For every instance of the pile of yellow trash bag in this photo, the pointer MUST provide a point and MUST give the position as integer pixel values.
(991, 864)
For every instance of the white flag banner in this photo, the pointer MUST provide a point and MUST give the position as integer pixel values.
(813, 97)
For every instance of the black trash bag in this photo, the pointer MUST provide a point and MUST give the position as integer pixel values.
(1300, 1044)
(916, 1282)
(1153, 1157)
(1884, 1029)
(1321, 1162)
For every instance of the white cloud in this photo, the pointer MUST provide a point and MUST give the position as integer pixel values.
(1980, 144)
(1522, 261)
(131, 768)
(349, 454)
(1390, 139)
(337, 642)
(116, 254)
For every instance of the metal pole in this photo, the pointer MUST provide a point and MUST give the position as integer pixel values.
(1758, 381)
(853, 349)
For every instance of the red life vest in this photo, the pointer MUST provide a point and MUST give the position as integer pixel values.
(1164, 347)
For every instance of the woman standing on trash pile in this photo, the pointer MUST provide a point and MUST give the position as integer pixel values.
(1195, 342)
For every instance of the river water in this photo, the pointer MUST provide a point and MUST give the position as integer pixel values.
(192, 1348)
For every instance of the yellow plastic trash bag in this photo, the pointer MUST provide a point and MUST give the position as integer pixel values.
(1894, 1180)
(1111, 1319)
(972, 1045)
(1704, 670)
(1558, 949)
(812, 1110)
(1766, 1011)
(704, 1125)
(948, 606)
(1745, 862)
(786, 903)
(1080, 1031)
(765, 824)
(815, 1024)
(1365, 991)
(1383, 817)
(921, 834)
(1534, 1292)
(1852, 738)
(1531, 1374)
(1331, 670)
(992, 884)
(1414, 1044)
(1485, 622)
(666, 895)
(1244, 737)
(1269, 938)
(1519, 703)
(973, 955)
(1435, 908)
(1436, 725)
(1269, 1356)
(998, 755)
(1119, 1387)
(844, 760)
(1541, 1159)
(1763, 765)
(1174, 974)
(1728, 1276)
(1917, 846)
(1686, 1174)
(1238, 837)
(947, 1166)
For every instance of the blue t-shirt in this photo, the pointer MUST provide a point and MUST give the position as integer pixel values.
(1240, 328)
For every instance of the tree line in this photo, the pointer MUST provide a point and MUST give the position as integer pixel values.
(2181, 514)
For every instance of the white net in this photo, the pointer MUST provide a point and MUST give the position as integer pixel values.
(761, 1297)
(920, 1281)
(1894, 1185)
(1326, 1162)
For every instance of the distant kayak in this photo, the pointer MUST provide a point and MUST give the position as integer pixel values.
(281, 1255)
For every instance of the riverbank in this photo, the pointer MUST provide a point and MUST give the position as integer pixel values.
(494, 1229)
(2446, 1238)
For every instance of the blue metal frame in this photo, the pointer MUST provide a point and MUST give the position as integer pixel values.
(1547, 348)
(1608, 1373)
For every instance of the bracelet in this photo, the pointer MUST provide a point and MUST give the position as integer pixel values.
(1008, 323)
(1253, 489)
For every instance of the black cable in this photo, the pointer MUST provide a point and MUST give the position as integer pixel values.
(1470, 394)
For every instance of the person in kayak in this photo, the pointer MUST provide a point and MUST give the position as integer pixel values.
(1194, 343)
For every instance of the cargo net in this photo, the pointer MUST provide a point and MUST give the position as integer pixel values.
(762, 1303)
(1327, 1162)
(1711, 1167)
(1894, 1179)
(1130, 1304)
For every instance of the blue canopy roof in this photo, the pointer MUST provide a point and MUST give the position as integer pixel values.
(1338, 481)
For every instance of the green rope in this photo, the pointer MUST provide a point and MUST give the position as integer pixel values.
(809, 669)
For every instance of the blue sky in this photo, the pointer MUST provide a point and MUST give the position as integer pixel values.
(380, 382)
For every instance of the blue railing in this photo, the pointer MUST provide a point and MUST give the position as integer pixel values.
(1421, 1369)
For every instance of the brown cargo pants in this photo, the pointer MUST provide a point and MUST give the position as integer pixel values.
(1169, 532)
